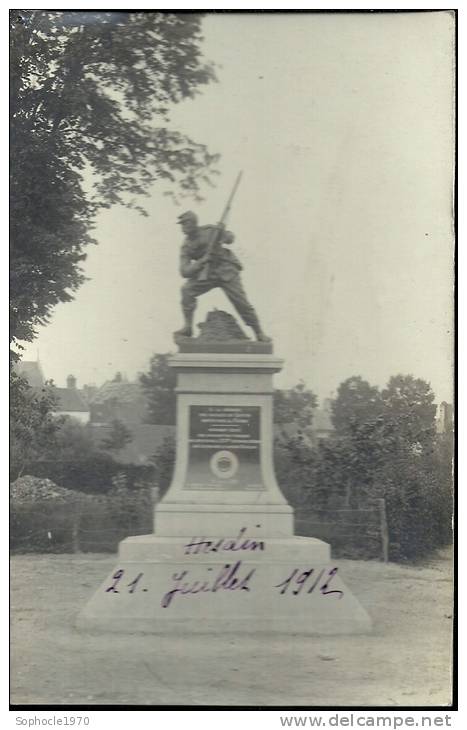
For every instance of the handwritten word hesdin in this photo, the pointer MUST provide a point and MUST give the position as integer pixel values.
(200, 545)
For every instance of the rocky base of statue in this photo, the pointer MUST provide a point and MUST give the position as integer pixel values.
(221, 333)
(221, 585)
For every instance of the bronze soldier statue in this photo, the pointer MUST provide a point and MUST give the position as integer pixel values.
(206, 267)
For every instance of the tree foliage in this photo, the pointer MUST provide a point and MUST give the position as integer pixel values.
(90, 94)
(409, 403)
(295, 405)
(118, 437)
(159, 386)
(356, 402)
(384, 446)
(73, 441)
(33, 428)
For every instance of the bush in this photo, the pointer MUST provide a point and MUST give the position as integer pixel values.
(42, 515)
(419, 509)
(92, 476)
(33, 428)
(370, 462)
(47, 518)
(108, 520)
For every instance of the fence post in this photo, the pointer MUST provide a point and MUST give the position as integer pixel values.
(384, 529)
(77, 510)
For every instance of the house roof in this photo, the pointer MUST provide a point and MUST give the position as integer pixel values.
(121, 391)
(31, 371)
(70, 399)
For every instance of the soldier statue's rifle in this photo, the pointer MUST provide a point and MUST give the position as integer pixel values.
(218, 230)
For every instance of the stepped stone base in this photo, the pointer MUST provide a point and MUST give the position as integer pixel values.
(223, 557)
(224, 585)
(185, 520)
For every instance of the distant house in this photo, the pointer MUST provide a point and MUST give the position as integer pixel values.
(88, 392)
(119, 400)
(70, 402)
(30, 371)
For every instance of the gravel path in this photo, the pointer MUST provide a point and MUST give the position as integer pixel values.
(405, 662)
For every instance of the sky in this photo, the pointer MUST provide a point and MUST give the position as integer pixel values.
(343, 127)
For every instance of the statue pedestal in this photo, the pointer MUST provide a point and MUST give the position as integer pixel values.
(223, 556)
(224, 478)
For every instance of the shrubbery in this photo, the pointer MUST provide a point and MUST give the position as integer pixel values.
(33, 428)
(419, 503)
(385, 446)
(75, 497)
(93, 475)
(47, 518)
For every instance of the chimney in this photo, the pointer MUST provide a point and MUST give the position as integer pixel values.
(71, 382)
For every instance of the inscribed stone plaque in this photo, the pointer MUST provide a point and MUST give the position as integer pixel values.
(224, 448)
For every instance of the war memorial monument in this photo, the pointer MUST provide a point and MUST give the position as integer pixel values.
(223, 556)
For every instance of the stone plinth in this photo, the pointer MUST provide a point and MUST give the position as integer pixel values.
(224, 477)
(192, 586)
(223, 557)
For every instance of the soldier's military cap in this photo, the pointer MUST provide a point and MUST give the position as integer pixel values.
(188, 216)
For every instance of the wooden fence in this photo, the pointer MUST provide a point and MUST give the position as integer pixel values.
(352, 533)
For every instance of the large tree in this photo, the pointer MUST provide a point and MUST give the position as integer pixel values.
(356, 402)
(90, 96)
(159, 387)
(295, 406)
(409, 404)
(33, 428)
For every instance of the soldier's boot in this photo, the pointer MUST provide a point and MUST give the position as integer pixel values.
(187, 330)
(259, 334)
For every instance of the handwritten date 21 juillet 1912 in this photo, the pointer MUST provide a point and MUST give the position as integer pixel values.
(231, 576)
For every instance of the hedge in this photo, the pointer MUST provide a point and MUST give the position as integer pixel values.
(92, 476)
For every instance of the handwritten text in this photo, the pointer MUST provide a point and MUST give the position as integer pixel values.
(200, 545)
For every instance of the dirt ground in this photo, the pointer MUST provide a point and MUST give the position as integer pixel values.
(406, 661)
